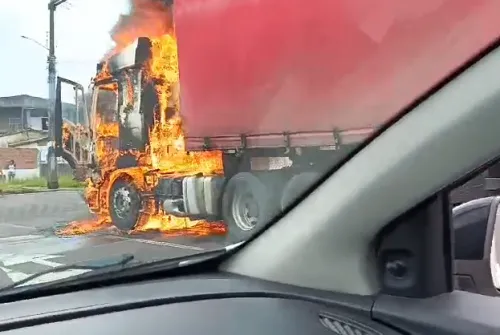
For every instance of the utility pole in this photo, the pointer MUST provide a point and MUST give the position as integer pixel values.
(52, 175)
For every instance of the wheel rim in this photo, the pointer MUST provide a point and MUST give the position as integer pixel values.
(122, 202)
(245, 209)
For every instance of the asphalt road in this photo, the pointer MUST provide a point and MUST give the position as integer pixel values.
(28, 243)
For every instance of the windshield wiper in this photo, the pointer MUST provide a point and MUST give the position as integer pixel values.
(108, 263)
(109, 270)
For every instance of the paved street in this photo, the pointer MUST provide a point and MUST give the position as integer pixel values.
(28, 243)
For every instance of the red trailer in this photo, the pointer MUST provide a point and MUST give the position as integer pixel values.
(261, 68)
(288, 86)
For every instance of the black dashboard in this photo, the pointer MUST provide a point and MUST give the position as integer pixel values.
(203, 304)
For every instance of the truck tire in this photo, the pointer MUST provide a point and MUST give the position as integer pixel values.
(296, 186)
(247, 205)
(124, 204)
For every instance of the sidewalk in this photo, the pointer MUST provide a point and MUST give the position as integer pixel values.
(25, 190)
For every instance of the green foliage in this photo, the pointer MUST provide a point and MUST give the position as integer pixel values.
(31, 185)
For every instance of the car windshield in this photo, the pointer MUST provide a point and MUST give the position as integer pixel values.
(167, 128)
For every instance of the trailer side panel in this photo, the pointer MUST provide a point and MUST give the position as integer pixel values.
(268, 67)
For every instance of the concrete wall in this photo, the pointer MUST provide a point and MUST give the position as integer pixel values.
(31, 161)
(34, 118)
(26, 161)
(37, 123)
(24, 173)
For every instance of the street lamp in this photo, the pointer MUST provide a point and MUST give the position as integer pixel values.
(35, 41)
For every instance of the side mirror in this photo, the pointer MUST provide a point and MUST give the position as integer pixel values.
(476, 245)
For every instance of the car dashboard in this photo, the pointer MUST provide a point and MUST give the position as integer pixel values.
(203, 304)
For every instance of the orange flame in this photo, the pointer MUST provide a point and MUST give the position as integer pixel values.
(166, 152)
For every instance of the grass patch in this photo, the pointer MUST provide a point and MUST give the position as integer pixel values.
(30, 185)
(69, 182)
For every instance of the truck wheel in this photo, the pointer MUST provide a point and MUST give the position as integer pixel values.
(247, 204)
(124, 204)
(296, 186)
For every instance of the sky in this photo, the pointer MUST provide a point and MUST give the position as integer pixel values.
(82, 38)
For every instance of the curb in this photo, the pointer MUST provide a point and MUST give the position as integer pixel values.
(31, 191)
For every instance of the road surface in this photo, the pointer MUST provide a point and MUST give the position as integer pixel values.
(28, 243)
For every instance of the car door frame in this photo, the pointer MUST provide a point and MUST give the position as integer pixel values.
(349, 233)
(477, 272)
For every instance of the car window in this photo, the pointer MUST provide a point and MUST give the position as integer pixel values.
(470, 232)
(206, 122)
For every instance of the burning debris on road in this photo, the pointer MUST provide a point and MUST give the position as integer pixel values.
(164, 152)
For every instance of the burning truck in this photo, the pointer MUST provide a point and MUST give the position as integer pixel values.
(132, 150)
(230, 116)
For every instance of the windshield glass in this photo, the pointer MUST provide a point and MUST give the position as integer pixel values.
(106, 103)
(193, 135)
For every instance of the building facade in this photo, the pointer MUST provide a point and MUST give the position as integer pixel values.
(22, 112)
(24, 134)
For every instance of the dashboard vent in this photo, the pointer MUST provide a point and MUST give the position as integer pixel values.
(343, 326)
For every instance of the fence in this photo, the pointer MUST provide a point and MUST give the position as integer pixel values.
(63, 169)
